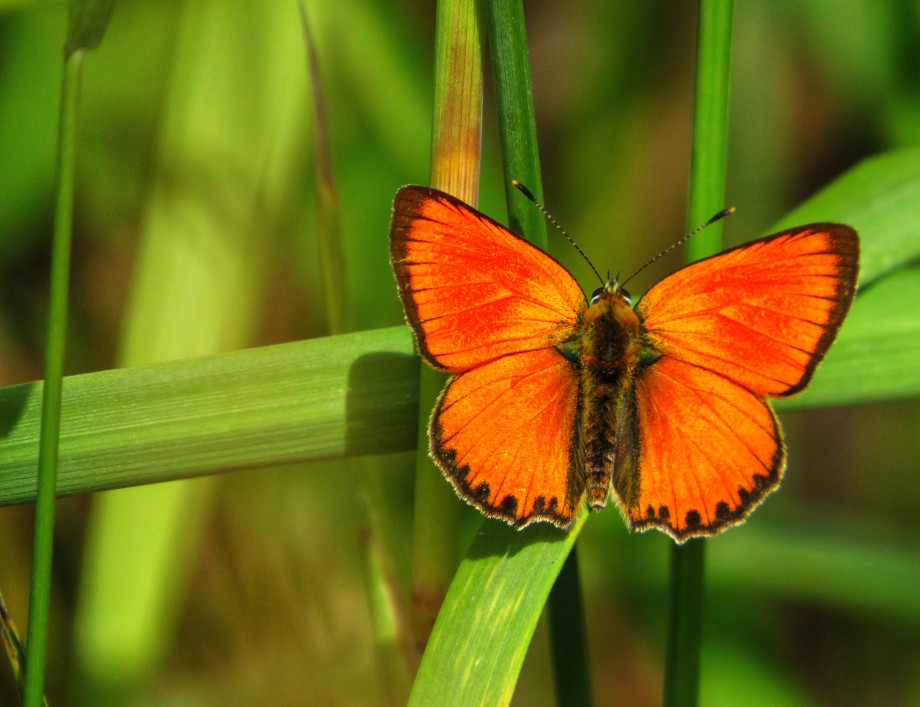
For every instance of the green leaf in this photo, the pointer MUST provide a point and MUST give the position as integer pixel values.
(333, 397)
(875, 354)
(489, 615)
(88, 22)
(879, 198)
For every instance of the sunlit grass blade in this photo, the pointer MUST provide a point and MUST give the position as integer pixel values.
(879, 198)
(489, 615)
(210, 222)
(324, 398)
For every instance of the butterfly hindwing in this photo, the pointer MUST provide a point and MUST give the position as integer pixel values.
(709, 451)
(472, 290)
(502, 433)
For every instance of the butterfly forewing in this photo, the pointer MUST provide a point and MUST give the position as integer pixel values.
(762, 314)
(472, 290)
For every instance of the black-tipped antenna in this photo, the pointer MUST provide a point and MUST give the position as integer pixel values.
(722, 214)
(526, 192)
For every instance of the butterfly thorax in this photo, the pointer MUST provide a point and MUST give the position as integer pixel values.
(606, 345)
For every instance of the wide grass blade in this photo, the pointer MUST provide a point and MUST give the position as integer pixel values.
(879, 198)
(319, 399)
(489, 615)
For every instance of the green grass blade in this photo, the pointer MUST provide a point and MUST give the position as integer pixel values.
(707, 194)
(685, 623)
(710, 127)
(52, 391)
(879, 198)
(568, 636)
(489, 615)
(455, 164)
(517, 124)
(339, 396)
(875, 355)
(88, 22)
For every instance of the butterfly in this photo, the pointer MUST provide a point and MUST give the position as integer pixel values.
(557, 400)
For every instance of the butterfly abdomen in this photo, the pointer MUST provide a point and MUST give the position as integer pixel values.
(608, 352)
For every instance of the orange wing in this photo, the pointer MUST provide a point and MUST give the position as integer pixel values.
(710, 451)
(732, 329)
(490, 307)
(762, 314)
(472, 290)
(502, 433)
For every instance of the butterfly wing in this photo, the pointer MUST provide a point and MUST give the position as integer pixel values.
(732, 329)
(472, 290)
(710, 451)
(762, 314)
(502, 433)
(489, 307)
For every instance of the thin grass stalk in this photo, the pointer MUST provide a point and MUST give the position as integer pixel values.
(329, 222)
(568, 636)
(706, 196)
(517, 124)
(521, 160)
(455, 160)
(40, 591)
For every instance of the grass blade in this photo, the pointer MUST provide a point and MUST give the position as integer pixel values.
(455, 161)
(707, 194)
(54, 375)
(323, 398)
(489, 615)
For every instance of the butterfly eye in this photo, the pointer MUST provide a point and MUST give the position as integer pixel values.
(596, 295)
(626, 296)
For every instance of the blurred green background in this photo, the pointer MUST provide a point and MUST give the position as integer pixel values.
(196, 232)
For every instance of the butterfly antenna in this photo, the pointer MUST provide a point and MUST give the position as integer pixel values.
(719, 216)
(549, 217)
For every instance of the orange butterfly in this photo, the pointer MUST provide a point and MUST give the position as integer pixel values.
(555, 398)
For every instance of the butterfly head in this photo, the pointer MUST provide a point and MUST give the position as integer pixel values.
(611, 290)
(613, 304)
